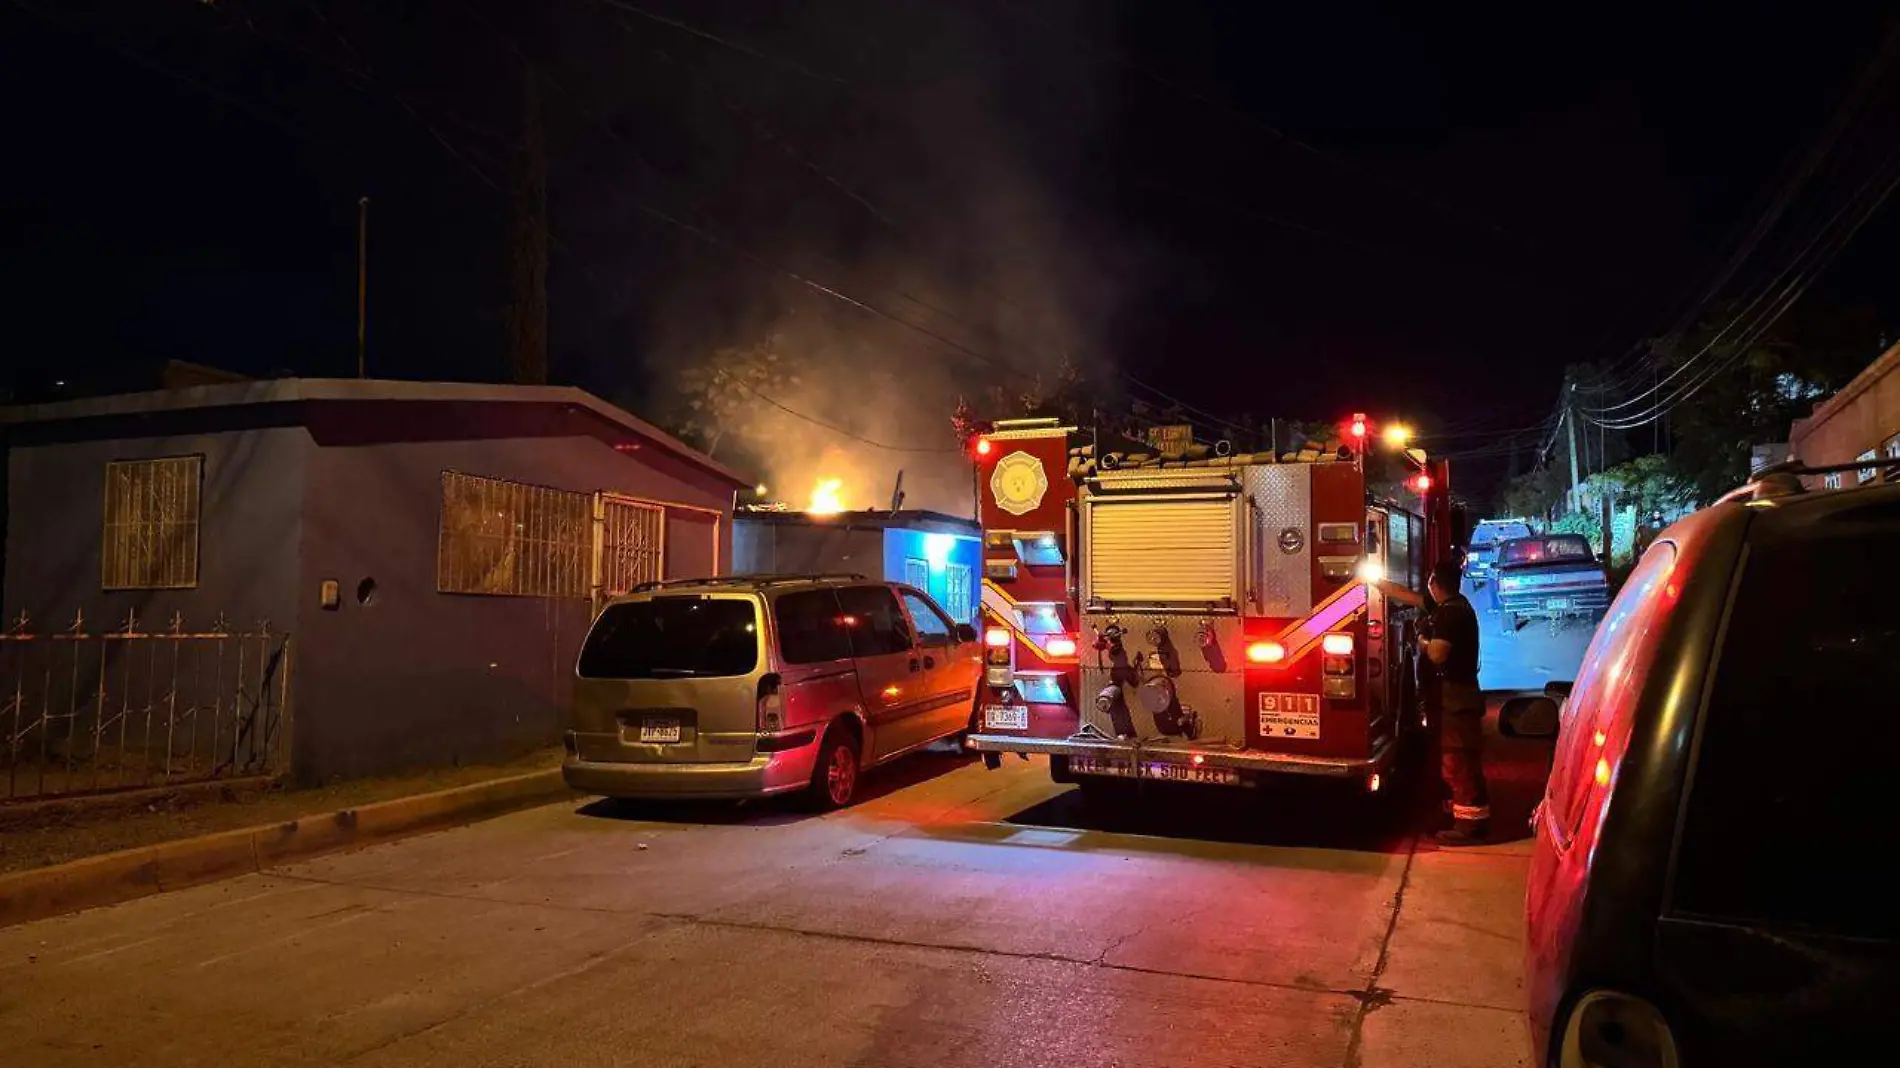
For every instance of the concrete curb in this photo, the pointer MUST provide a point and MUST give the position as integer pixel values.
(111, 878)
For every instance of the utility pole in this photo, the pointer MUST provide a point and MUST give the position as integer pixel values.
(528, 246)
(1570, 420)
(362, 284)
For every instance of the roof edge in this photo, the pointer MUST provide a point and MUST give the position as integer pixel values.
(361, 390)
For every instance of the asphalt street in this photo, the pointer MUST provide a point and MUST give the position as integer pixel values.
(957, 916)
(1529, 657)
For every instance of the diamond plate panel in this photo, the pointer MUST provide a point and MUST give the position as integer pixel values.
(1211, 687)
(1282, 501)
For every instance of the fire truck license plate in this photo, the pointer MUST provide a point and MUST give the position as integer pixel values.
(1289, 715)
(658, 729)
(1557, 602)
(1006, 717)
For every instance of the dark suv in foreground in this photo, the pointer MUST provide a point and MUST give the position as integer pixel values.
(1710, 883)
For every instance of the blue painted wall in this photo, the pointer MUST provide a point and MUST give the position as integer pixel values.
(940, 555)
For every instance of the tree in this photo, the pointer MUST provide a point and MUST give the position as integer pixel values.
(728, 388)
(1650, 484)
(1066, 392)
(1534, 494)
(1745, 390)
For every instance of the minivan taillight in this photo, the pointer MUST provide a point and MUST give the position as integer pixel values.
(771, 705)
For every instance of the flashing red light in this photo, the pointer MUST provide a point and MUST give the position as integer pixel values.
(1359, 426)
(1422, 483)
(1061, 646)
(1198, 759)
(1266, 652)
(1336, 644)
(996, 638)
(983, 446)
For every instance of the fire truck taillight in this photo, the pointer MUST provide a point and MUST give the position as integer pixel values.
(983, 447)
(996, 638)
(1266, 653)
(1059, 646)
(1338, 671)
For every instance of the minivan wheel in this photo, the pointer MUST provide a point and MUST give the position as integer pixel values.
(834, 779)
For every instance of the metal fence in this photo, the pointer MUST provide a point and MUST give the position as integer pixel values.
(84, 712)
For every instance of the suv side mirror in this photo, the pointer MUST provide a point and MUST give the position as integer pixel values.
(965, 633)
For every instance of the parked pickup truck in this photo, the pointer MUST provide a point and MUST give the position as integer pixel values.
(1481, 557)
(1552, 577)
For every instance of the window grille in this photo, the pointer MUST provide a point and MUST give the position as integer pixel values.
(150, 530)
(511, 539)
(957, 593)
(632, 541)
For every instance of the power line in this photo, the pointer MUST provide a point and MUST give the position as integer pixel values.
(1790, 294)
(836, 429)
(1842, 117)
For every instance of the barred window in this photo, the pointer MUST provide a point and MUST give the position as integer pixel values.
(957, 592)
(632, 543)
(512, 539)
(150, 531)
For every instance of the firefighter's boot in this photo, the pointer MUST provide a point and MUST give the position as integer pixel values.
(1464, 833)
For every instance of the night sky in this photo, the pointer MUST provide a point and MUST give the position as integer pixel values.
(1274, 209)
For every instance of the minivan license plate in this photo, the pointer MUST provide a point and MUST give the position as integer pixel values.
(657, 729)
(1006, 717)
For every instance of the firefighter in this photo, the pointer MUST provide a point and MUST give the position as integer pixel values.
(1449, 640)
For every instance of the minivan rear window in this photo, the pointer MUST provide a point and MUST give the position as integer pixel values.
(1789, 822)
(811, 628)
(673, 638)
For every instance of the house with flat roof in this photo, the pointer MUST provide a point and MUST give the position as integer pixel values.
(939, 554)
(412, 565)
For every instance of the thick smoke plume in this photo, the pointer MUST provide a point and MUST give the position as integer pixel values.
(934, 198)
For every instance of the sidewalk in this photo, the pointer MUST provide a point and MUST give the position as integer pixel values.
(42, 834)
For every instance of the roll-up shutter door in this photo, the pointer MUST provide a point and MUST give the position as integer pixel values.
(1162, 551)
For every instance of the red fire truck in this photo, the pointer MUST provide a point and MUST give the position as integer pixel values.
(1193, 617)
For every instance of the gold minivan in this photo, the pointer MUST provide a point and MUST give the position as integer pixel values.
(757, 685)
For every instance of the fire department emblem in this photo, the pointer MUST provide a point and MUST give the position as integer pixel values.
(1018, 483)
